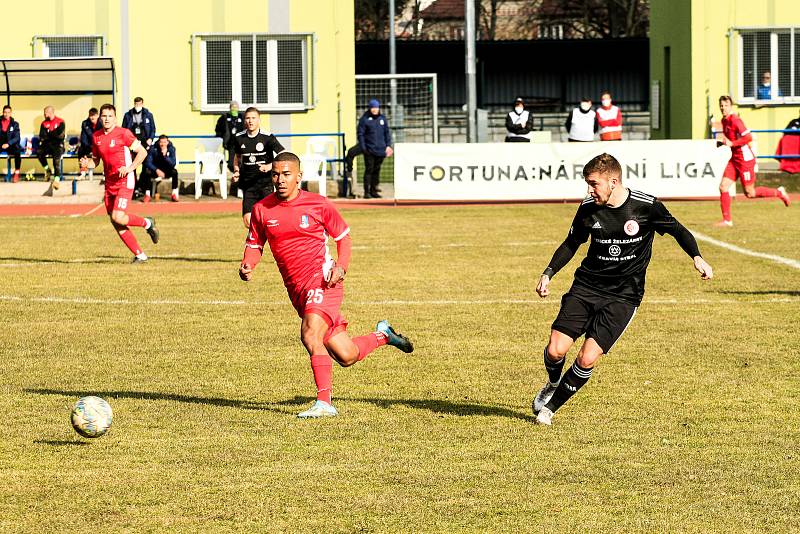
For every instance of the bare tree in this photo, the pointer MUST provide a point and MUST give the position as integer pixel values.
(372, 18)
(592, 18)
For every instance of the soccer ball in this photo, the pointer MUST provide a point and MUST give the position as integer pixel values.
(91, 417)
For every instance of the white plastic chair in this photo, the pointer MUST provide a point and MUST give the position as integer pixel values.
(323, 148)
(209, 166)
(211, 144)
(313, 167)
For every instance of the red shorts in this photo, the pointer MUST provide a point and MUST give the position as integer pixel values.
(741, 170)
(323, 301)
(117, 199)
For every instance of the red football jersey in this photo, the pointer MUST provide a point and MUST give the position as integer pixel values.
(113, 148)
(297, 232)
(733, 127)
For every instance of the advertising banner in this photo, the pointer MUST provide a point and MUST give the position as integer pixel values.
(517, 171)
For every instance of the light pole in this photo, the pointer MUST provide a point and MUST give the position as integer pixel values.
(472, 95)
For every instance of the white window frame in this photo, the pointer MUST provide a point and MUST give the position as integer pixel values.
(200, 90)
(794, 97)
(41, 43)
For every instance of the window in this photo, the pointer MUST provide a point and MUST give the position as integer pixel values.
(551, 31)
(271, 72)
(68, 46)
(769, 65)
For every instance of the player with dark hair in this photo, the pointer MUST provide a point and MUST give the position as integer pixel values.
(113, 146)
(10, 140)
(296, 224)
(253, 161)
(742, 164)
(609, 284)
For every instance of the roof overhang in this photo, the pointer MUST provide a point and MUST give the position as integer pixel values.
(57, 76)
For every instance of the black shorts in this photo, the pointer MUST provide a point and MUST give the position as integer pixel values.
(252, 194)
(600, 318)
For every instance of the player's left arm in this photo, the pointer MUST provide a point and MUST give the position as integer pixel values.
(664, 223)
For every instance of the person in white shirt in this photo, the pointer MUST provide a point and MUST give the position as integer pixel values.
(582, 123)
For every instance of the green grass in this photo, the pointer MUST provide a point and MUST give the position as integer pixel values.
(691, 424)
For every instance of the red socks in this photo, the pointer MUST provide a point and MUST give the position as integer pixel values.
(368, 343)
(322, 366)
(130, 241)
(766, 192)
(135, 220)
(725, 203)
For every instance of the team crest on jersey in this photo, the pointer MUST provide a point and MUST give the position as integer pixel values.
(631, 227)
(272, 222)
(304, 221)
(614, 250)
(252, 159)
(259, 146)
(111, 144)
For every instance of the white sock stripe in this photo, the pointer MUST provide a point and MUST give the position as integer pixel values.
(582, 373)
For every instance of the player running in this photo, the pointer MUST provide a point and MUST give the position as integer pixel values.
(253, 162)
(296, 224)
(609, 284)
(113, 145)
(742, 164)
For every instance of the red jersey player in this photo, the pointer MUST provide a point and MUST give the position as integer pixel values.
(296, 224)
(113, 145)
(742, 163)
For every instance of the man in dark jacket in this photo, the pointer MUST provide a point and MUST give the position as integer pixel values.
(9, 140)
(228, 125)
(140, 121)
(88, 127)
(160, 163)
(375, 140)
(51, 143)
(519, 123)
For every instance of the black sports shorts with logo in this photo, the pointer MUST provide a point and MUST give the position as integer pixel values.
(601, 318)
(253, 193)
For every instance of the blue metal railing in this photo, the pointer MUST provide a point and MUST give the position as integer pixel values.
(789, 131)
(339, 136)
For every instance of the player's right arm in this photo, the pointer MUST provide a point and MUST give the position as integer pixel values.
(235, 176)
(91, 163)
(578, 234)
(253, 247)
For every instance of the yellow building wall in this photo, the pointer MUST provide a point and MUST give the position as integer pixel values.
(711, 22)
(160, 55)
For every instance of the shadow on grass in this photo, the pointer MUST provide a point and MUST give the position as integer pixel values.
(60, 442)
(432, 405)
(151, 395)
(193, 259)
(787, 292)
(438, 406)
(101, 259)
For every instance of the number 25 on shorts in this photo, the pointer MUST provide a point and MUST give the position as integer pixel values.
(314, 296)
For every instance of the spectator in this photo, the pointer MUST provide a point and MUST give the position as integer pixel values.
(375, 140)
(582, 122)
(140, 121)
(789, 145)
(88, 127)
(10, 140)
(519, 123)
(765, 89)
(228, 125)
(161, 162)
(352, 153)
(51, 143)
(609, 119)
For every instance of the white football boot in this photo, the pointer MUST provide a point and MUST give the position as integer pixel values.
(544, 396)
(317, 410)
(545, 417)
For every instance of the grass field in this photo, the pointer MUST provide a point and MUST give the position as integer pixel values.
(691, 424)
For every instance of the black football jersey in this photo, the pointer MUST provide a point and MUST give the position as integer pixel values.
(253, 152)
(621, 244)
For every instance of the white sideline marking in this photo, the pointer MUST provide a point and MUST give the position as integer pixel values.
(462, 245)
(747, 252)
(550, 301)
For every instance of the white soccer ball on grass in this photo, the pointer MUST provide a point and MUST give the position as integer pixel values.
(91, 417)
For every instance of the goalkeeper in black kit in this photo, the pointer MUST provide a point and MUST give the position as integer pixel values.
(609, 284)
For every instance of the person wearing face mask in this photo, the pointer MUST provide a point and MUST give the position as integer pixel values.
(765, 89)
(140, 121)
(582, 123)
(609, 118)
(519, 123)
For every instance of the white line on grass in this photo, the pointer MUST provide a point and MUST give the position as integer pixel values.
(477, 302)
(747, 252)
